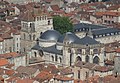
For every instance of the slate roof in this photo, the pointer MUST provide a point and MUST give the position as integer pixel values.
(37, 47)
(105, 31)
(87, 26)
(88, 40)
(96, 29)
(51, 49)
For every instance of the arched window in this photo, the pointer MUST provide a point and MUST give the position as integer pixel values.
(52, 58)
(87, 58)
(96, 60)
(78, 74)
(41, 53)
(35, 54)
(24, 36)
(30, 37)
(56, 58)
(70, 59)
(33, 37)
(30, 25)
(60, 59)
(87, 75)
(78, 59)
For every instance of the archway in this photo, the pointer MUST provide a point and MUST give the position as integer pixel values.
(96, 60)
(78, 59)
(87, 58)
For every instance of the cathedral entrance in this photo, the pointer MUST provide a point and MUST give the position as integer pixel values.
(78, 59)
(96, 60)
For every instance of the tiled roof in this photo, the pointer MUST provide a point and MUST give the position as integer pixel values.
(89, 65)
(114, 7)
(43, 75)
(55, 7)
(9, 55)
(63, 78)
(118, 50)
(103, 68)
(66, 71)
(112, 13)
(26, 70)
(1, 39)
(26, 80)
(3, 62)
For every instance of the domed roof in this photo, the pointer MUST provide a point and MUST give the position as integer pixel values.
(50, 35)
(71, 37)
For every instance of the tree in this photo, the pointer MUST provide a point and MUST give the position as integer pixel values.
(62, 24)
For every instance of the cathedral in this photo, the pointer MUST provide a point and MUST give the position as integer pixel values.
(67, 49)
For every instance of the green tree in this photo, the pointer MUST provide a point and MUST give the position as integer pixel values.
(62, 24)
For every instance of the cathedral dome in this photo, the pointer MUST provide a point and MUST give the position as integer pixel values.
(50, 35)
(71, 37)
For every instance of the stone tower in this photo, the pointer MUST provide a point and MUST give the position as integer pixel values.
(33, 24)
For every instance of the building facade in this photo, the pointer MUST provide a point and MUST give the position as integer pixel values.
(67, 49)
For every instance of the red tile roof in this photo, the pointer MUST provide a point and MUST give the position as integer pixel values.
(63, 78)
(103, 68)
(3, 62)
(43, 75)
(26, 80)
(1, 39)
(55, 7)
(118, 50)
(11, 54)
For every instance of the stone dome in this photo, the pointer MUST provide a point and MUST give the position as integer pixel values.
(50, 35)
